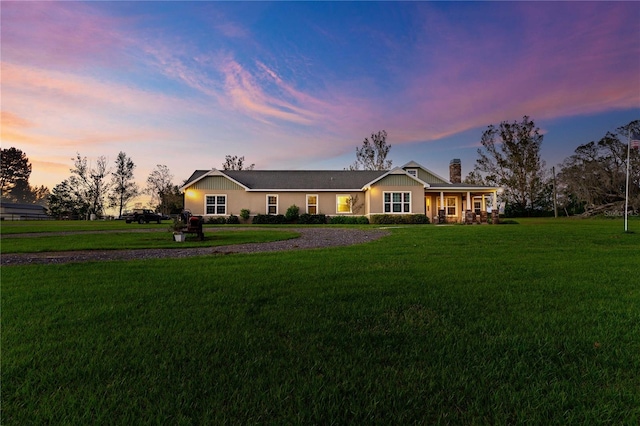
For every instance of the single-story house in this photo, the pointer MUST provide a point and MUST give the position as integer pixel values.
(410, 189)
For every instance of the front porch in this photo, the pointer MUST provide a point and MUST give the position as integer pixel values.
(460, 206)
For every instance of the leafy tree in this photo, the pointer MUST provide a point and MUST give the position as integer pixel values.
(372, 155)
(23, 192)
(15, 167)
(161, 188)
(593, 178)
(64, 200)
(510, 158)
(475, 178)
(15, 170)
(174, 201)
(14, 179)
(123, 186)
(89, 183)
(233, 162)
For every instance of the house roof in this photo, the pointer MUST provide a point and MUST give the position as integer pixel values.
(303, 179)
(317, 180)
(21, 206)
(459, 186)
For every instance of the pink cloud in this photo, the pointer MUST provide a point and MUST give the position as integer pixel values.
(39, 90)
(60, 34)
(10, 120)
(244, 92)
(558, 68)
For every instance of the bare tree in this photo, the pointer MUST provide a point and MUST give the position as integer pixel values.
(233, 162)
(89, 182)
(123, 186)
(372, 155)
(160, 186)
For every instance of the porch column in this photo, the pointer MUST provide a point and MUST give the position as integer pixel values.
(442, 199)
(468, 200)
(484, 204)
(495, 199)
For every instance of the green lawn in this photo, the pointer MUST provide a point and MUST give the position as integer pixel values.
(120, 240)
(28, 226)
(536, 323)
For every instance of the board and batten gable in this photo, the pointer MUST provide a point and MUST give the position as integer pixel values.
(216, 183)
(428, 177)
(422, 173)
(396, 184)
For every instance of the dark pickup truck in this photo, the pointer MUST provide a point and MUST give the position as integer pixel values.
(142, 216)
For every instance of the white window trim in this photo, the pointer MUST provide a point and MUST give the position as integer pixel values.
(412, 172)
(226, 198)
(473, 205)
(267, 201)
(446, 206)
(348, 203)
(317, 204)
(402, 203)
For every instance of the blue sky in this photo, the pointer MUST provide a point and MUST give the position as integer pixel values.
(299, 85)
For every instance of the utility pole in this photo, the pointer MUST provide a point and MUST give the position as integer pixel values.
(626, 189)
(555, 193)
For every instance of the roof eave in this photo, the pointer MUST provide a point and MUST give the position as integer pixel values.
(213, 172)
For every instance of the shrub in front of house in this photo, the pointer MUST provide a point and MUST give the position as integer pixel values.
(312, 219)
(245, 214)
(399, 219)
(293, 213)
(269, 219)
(220, 220)
(348, 220)
(233, 220)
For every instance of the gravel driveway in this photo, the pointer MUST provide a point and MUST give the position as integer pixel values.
(309, 238)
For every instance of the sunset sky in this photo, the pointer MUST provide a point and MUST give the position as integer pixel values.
(299, 85)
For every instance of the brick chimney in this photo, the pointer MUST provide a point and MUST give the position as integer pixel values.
(455, 171)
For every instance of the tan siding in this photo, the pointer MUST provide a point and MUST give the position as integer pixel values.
(256, 202)
(428, 177)
(216, 183)
(376, 197)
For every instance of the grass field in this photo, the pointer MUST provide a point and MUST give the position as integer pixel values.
(536, 323)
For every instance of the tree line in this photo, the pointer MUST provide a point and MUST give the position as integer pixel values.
(93, 187)
(590, 181)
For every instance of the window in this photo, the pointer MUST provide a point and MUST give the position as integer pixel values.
(451, 206)
(397, 202)
(215, 204)
(477, 206)
(312, 204)
(272, 204)
(343, 204)
(413, 172)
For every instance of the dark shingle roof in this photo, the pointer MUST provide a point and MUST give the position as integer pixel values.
(303, 179)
